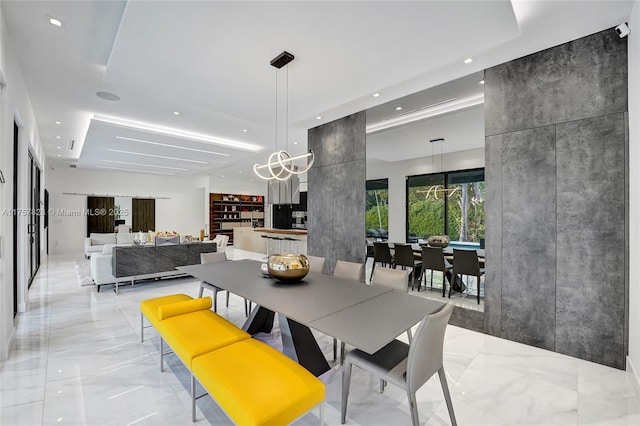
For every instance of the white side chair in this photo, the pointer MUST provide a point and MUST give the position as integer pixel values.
(216, 257)
(316, 264)
(221, 242)
(395, 279)
(347, 271)
(406, 366)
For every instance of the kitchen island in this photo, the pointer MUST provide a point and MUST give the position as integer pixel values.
(261, 240)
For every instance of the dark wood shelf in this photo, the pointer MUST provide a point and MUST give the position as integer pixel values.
(218, 207)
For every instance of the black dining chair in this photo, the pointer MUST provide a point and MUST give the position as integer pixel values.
(381, 254)
(403, 257)
(465, 262)
(433, 260)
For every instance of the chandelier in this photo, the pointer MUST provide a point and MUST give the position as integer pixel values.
(281, 165)
(438, 190)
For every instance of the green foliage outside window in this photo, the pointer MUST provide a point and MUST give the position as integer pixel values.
(465, 209)
(377, 210)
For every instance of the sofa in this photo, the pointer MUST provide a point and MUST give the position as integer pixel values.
(127, 263)
(95, 242)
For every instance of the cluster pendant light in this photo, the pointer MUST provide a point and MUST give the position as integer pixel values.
(281, 165)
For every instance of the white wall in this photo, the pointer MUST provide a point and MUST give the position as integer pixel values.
(397, 172)
(634, 192)
(14, 105)
(183, 212)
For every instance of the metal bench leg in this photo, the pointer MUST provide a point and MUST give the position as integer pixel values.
(193, 399)
(161, 354)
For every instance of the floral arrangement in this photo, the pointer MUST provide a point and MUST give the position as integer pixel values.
(167, 234)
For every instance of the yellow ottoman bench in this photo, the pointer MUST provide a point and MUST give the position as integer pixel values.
(257, 385)
(190, 332)
(149, 309)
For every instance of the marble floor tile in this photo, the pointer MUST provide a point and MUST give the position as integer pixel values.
(78, 360)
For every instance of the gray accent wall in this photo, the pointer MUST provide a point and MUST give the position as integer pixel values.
(556, 163)
(336, 191)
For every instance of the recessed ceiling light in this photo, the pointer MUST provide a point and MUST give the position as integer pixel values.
(58, 122)
(144, 165)
(468, 61)
(318, 118)
(173, 146)
(56, 22)
(178, 133)
(157, 156)
(59, 155)
(240, 171)
(295, 143)
(222, 176)
(176, 112)
(481, 82)
(375, 95)
(108, 96)
(59, 147)
(58, 137)
(245, 130)
(398, 108)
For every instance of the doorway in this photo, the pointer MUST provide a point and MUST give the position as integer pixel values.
(15, 218)
(33, 228)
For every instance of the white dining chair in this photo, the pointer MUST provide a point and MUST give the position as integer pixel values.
(316, 264)
(406, 366)
(395, 279)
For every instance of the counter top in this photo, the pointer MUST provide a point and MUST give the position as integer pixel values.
(281, 231)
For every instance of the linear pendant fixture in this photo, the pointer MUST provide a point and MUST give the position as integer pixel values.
(435, 190)
(281, 165)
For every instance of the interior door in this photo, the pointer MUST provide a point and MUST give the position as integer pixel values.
(100, 216)
(143, 211)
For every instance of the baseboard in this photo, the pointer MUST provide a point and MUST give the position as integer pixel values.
(635, 378)
(6, 350)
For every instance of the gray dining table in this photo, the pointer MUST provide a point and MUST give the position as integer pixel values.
(364, 316)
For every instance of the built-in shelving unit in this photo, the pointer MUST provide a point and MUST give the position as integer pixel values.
(228, 211)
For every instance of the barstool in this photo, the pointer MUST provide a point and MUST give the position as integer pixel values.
(292, 242)
(269, 237)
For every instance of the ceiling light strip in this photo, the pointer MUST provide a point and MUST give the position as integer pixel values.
(135, 170)
(419, 109)
(115, 195)
(184, 134)
(427, 113)
(172, 146)
(157, 156)
(145, 165)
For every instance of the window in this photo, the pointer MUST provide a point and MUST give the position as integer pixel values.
(377, 209)
(446, 203)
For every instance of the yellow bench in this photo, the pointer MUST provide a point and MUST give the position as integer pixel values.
(149, 309)
(252, 382)
(255, 384)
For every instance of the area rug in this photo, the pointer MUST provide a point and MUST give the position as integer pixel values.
(83, 271)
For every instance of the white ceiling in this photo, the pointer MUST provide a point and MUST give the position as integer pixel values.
(209, 60)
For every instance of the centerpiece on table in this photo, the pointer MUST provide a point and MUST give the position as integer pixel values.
(288, 267)
(439, 240)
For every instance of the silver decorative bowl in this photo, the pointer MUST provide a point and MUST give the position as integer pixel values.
(288, 267)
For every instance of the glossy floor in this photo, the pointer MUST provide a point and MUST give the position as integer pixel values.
(78, 360)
